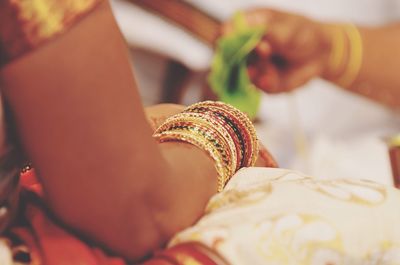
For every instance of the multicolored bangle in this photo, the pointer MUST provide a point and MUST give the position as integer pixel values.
(346, 55)
(242, 124)
(224, 132)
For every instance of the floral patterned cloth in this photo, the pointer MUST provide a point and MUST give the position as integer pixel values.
(277, 216)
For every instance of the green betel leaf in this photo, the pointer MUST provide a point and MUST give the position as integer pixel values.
(228, 77)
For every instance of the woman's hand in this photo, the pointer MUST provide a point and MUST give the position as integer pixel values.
(293, 51)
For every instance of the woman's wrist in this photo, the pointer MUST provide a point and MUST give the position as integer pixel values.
(343, 63)
(191, 180)
(333, 59)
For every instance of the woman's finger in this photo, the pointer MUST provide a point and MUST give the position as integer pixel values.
(268, 79)
(263, 49)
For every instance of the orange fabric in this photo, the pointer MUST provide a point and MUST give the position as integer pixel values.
(48, 242)
(30, 182)
(186, 254)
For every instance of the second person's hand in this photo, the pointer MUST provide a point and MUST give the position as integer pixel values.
(294, 50)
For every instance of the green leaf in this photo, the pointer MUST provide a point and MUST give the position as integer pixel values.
(228, 77)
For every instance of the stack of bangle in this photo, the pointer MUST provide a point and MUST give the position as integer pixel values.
(355, 56)
(338, 48)
(223, 131)
(346, 40)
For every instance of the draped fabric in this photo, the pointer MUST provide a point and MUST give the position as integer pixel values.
(279, 216)
(263, 216)
(26, 24)
(36, 238)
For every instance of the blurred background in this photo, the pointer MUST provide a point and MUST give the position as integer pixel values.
(318, 129)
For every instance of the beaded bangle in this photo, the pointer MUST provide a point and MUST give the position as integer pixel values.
(214, 138)
(205, 138)
(206, 121)
(241, 122)
(192, 138)
(231, 127)
(224, 132)
(207, 134)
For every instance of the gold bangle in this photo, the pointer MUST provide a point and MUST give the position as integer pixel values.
(355, 56)
(197, 132)
(202, 143)
(224, 132)
(243, 123)
(336, 56)
(233, 130)
(205, 121)
(201, 129)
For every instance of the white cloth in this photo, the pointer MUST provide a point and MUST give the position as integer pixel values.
(278, 216)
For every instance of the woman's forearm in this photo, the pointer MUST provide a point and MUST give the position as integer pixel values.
(379, 74)
(81, 123)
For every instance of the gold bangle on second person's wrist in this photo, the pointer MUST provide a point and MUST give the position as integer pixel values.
(355, 56)
(338, 47)
(345, 58)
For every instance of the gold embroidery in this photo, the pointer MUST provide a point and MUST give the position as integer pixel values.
(388, 252)
(239, 198)
(287, 239)
(351, 190)
(25, 24)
